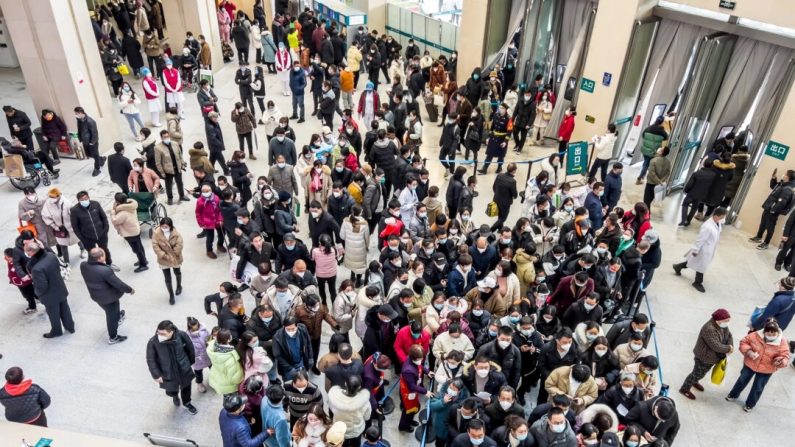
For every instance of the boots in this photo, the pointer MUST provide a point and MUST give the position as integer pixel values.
(179, 283)
(170, 292)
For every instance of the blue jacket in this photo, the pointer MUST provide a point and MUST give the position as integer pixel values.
(483, 262)
(297, 82)
(612, 190)
(455, 282)
(781, 307)
(236, 432)
(594, 207)
(274, 416)
(440, 409)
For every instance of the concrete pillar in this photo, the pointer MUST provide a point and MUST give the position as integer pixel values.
(196, 16)
(471, 43)
(60, 61)
(375, 10)
(607, 49)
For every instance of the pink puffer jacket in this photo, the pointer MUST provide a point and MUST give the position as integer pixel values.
(208, 214)
(768, 353)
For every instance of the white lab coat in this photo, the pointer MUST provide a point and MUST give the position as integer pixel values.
(706, 245)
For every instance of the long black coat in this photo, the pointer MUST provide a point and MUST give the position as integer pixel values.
(504, 190)
(171, 360)
(699, 184)
(131, 49)
(47, 281)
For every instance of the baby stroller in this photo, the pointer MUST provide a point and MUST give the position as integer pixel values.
(149, 211)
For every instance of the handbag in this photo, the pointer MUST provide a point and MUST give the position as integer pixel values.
(61, 232)
(719, 371)
(492, 210)
(27, 226)
(123, 69)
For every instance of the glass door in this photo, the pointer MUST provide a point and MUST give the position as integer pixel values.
(537, 51)
(692, 123)
(632, 77)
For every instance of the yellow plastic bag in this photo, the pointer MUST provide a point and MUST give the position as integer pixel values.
(719, 371)
(123, 69)
(492, 210)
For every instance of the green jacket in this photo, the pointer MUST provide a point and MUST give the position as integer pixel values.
(226, 372)
(650, 143)
(659, 170)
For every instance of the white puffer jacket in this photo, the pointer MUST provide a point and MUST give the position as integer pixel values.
(352, 410)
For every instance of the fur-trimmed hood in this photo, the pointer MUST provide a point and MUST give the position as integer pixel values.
(470, 366)
(589, 413)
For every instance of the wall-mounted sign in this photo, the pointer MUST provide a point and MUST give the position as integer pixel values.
(587, 85)
(726, 4)
(606, 78)
(776, 150)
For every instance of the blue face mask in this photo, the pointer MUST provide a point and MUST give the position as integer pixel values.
(267, 320)
(85, 203)
(476, 77)
(475, 441)
(514, 319)
(493, 333)
(415, 335)
(289, 247)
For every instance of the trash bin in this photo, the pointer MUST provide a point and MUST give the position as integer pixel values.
(39, 139)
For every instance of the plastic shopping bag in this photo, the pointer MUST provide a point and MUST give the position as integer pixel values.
(659, 193)
(719, 371)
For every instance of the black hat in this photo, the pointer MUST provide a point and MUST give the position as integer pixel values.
(387, 311)
(610, 439)
(284, 196)
(288, 237)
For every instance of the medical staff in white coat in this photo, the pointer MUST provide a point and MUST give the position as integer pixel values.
(700, 256)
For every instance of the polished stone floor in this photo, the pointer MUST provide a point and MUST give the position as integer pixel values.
(107, 390)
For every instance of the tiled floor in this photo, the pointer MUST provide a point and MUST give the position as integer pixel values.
(107, 390)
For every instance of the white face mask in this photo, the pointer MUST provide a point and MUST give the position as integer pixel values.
(600, 352)
(627, 389)
(635, 347)
(482, 373)
(565, 347)
(162, 338)
(505, 405)
(503, 344)
(207, 194)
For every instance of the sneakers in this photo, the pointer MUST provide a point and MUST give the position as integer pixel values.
(28, 311)
(747, 409)
(191, 409)
(118, 339)
(762, 246)
(141, 268)
(730, 399)
(122, 314)
(755, 239)
(699, 287)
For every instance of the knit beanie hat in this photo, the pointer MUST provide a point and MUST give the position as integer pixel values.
(721, 314)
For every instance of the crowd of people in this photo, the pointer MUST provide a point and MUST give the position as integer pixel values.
(470, 319)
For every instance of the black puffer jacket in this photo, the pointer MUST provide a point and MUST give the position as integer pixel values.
(780, 198)
(171, 360)
(24, 402)
(509, 359)
(90, 224)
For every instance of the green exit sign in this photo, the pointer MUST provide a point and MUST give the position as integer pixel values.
(776, 150)
(587, 85)
(727, 4)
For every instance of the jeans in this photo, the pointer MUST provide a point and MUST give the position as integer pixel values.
(645, 167)
(332, 288)
(138, 249)
(170, 178)
(112, 315)
(767, 224)
(298, 103)
(133, 118)
(760, 380)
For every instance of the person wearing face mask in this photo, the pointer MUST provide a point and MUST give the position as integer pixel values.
(235, 430)
(169, 356)
(412, 374)
(289, 251)
(264, 323)
(701, 254)
(497, 143)
(30, 210)
(603, 363)
(584, 309)
(714, 343)
(622, 397)
(553, 429)
(380, 329)
(764, 352)
(90, 225)
(657, 418)
(645, 377)
(632, 436)
(558, 352)
(586, 333)
(292, 348)
(503, 408)
(452, 340)
(575, 381)
(449, 396)
(524, 115)
(462, 277)
(311, 314)
(515, 432)
(310, 429)
(570, 289)
(484, 379)
(631, 351)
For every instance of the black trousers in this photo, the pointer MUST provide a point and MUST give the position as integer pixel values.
(315, 348)
(52, 148)
(690, 204)
(242, 55)
(92, 151)
(125, 188)
(356, 79)
(258, 57)
(502, 216)
(60, 313)
(261, 104)
(601, 165)
(101, 243)
(29, 293)
(248, 101)
(699, 275)
(218, 156)
(137, 248)
(784, 255)
(332, 289)
(520, 136)
(767, 224)
(648, 193)
(170, 178)
(112, 315)
(245, 138)
(209, 237)
(184, 394)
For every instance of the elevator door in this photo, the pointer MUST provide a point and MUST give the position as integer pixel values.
(538, 39)
(692, 124)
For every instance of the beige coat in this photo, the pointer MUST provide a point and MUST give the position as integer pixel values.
(57, 212)
(151, 180)
(356, 243)
(444, 343)
(321, 195)
(163, 158)
(174, 127)
(558, 382)
(200, 159)
(42, 232)
(168, 251)
(125, 219)
(512, 290)
(627, 356)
